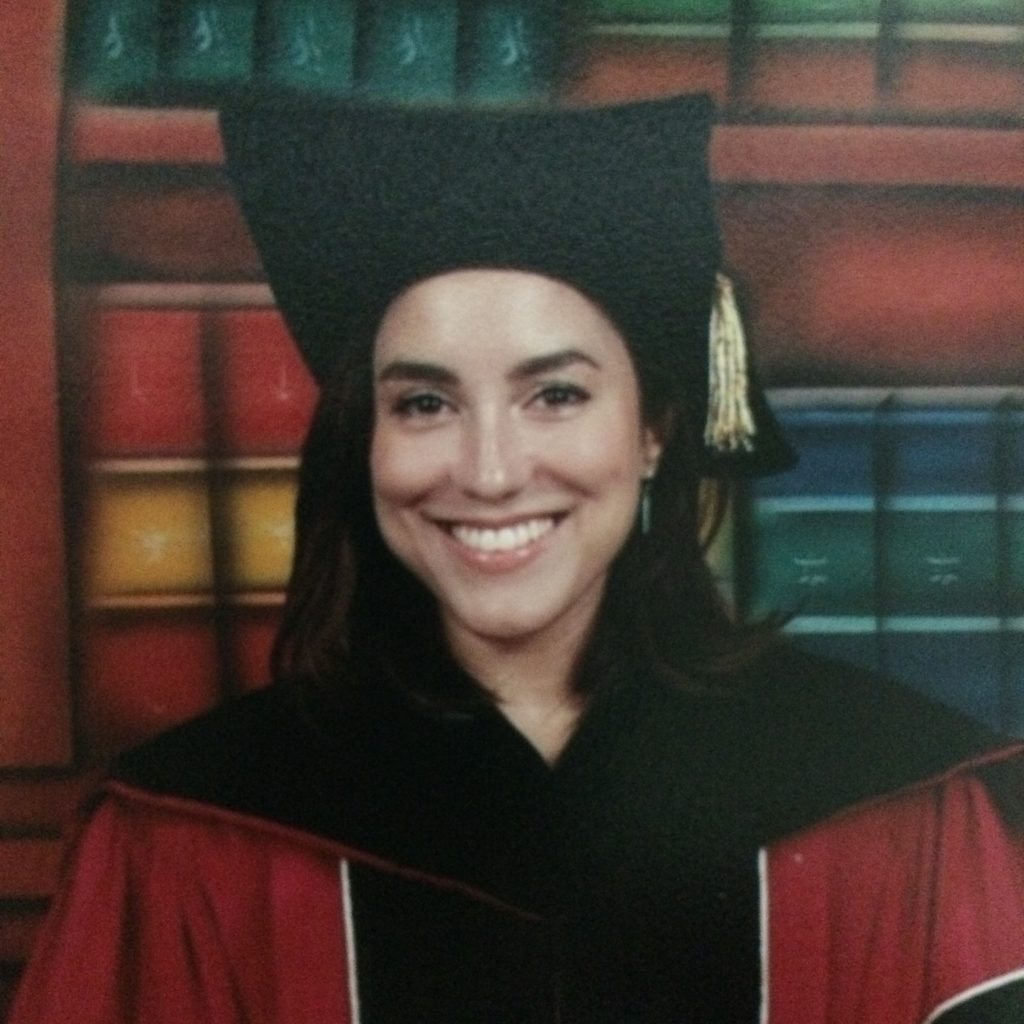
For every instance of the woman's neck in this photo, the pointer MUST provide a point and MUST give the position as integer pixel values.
(532, 680)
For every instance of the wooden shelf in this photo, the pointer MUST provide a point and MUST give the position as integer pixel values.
(149, 466)
(815, 154)
(186, 601)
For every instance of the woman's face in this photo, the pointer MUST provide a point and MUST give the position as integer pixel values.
(508, 449)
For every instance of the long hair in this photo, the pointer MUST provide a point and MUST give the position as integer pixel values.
(352, 609)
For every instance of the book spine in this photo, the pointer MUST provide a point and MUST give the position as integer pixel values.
(308, 44)
(810, 546)
(407, 50)
(265, 393)
(209, 45)
(114, 48)
(145, 382)
(668, 11)
(1012, 560)
(144, 672)
(256, 508)
(938, 558)
(509, 50)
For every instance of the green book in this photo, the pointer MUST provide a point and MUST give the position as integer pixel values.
(308, 44)
(962, 12)
(508, 50)
(210, 43)
(675, 11)
(792, 12)
(114, 48)
(407, 50)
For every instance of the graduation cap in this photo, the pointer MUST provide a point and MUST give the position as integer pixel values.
(350, 204)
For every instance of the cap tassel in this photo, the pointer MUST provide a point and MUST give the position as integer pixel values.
(730, 423)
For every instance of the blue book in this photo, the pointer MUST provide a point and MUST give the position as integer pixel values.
(809, 543)
(308, 44)
(114, 48)
(1013, 677)
(407, 50)
(509, 50)
(954, 661)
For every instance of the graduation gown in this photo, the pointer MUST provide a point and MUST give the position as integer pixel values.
(809, 846)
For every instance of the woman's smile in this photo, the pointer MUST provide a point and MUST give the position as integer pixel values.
(508, 448)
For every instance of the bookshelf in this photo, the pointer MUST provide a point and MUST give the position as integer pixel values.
(870, 177)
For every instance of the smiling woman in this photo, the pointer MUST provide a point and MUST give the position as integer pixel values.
(520, 765)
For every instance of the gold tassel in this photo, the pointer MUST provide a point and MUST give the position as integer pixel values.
(730, 424)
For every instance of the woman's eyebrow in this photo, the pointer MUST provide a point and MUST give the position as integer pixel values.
(551, 361)
(409, 370)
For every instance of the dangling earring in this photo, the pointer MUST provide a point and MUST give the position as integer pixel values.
(645, 505)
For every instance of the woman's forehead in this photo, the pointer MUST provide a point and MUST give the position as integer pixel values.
(507, 314)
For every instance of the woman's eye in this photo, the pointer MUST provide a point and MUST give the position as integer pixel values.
(554, 396)
(420, 404)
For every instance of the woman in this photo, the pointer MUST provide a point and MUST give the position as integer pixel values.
(520, 764)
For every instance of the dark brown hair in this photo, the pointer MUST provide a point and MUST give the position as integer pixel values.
(340, 623)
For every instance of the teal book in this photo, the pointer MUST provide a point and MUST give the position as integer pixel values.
(668, 11)
(809, 546)
(811, 531)
(939, 551)
(113, 48)
(509, 50)
(407, 50)
(308, 44)
(209, 45)
(1012, 508)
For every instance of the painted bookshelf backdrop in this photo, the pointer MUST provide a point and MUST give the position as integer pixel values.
(870, 174)
(898, 542)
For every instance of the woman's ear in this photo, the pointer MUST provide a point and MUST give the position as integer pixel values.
(656, 436)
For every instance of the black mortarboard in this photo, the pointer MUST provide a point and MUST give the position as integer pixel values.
(350, 204)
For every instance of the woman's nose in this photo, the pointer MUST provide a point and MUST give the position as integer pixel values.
(494, 462)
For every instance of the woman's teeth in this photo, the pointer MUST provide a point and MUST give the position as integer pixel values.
(505, 538)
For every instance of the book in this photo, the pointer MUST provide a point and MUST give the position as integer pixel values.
(148, 532)
(265, 394)
(693, 11)
(308, 44)
(954, 661)
(257, 510)
(939, 477)
(938, 555)
(143, 375)
(406, 50)
(508, 50)
(143, 672)
(113, 48)
(209, 45)
(810, 547)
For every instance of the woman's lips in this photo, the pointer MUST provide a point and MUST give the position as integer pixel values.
(499, 547)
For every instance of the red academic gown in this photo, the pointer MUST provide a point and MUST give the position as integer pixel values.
(210, 903)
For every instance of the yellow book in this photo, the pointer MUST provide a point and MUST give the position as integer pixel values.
(149, 533)
(259, 513)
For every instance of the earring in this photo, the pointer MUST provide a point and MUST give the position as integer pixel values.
(645, 505)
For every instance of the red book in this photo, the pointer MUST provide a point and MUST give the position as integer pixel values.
(251, 635)
(265, 392)
(145, 382)
(144, 671)
(618, 68)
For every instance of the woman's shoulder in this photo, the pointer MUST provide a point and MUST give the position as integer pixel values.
(851, 734)
(265, 754)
